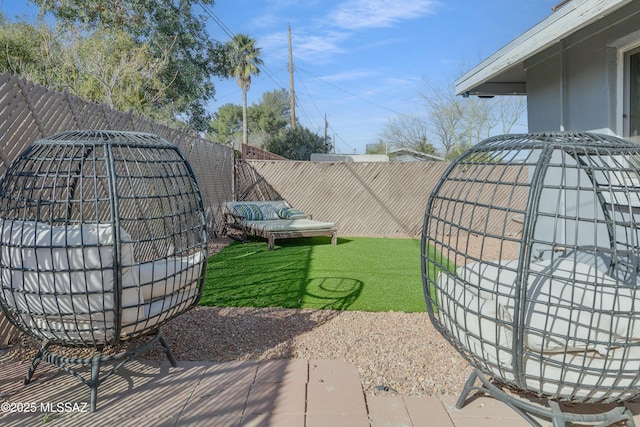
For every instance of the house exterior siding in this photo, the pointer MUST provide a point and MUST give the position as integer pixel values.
(574, 86)
(573, 72)
(544, 96)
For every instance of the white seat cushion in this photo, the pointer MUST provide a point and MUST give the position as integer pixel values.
(167, 276)
(290, 225)
(570, 306)
(577, 322)
(60, 279)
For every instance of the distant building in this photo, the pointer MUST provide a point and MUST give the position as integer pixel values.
(325, 157)
(406, 155)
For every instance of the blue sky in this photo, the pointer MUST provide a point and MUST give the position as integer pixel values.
(361, 62)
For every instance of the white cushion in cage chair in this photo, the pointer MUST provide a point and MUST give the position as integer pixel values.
(578, 325)
(62, 281)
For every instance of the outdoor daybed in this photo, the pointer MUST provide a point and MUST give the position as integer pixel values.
(275, 219)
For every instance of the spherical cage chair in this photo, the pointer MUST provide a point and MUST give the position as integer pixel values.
(102, 239)
(530, 259)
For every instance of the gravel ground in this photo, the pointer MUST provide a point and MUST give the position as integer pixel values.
(398, 353)
(395, 353)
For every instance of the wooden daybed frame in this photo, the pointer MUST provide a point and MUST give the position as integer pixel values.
(269, 220)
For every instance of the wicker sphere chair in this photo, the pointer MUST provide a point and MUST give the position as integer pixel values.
(530, 260)
(102, 240)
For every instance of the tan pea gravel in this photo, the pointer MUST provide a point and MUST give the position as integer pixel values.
(396, 353)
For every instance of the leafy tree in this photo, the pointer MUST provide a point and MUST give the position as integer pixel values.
(173, 35)
(266, 119)
(410, 132)
(115, 69)
(272, 114)
(244, 59)
(377, 148)
(106, 65)
(227, 124)
(278, 101)
(298, 143)
(29, 51)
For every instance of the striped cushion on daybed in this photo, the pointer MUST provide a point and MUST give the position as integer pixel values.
(275, 219)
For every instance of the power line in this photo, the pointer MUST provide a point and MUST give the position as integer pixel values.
(307, 91)
(304, 86)
(217, 20)
(270, 74)
(337, 136)
(230, 33)
(353, 94)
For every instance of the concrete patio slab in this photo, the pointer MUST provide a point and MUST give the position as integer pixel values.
(482, 412)
(427, 408)
(280, 393)
(387, 411)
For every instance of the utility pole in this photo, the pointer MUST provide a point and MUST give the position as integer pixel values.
(326, 126)
(292, 96)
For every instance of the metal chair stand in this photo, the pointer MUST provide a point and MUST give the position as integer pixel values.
(552, 412)
(117, 361)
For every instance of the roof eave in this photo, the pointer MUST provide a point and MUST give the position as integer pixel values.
(573, 16)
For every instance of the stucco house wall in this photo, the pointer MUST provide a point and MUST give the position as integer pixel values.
(575, 83)
(544, 100)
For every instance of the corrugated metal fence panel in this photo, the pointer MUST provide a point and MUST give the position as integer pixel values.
(363, 199)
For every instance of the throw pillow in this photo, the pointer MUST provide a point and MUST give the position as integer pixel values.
(269, 212)
(291, 213)
(249, 212)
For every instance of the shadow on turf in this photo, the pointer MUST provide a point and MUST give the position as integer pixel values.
(236, 277)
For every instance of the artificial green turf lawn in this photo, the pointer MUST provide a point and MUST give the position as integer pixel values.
(367, 274)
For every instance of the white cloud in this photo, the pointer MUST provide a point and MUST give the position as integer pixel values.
(348, 75)
(266, 20)
(318, 47)
(312, 47)
(318, 40)
(357, 14)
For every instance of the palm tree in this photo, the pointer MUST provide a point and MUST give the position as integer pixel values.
(245, 59)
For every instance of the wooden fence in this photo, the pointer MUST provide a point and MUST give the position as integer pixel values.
(8, 332)
(29, 112)
(254, 153)
(364, 199)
